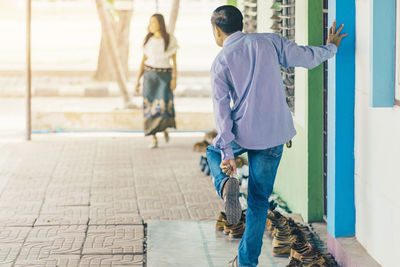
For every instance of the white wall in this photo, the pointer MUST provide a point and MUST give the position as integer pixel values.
(301, 74)
(264, 13)
(377, 153)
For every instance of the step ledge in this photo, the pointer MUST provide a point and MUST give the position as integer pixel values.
(348, 252)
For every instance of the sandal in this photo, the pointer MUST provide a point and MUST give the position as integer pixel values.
(234, 262)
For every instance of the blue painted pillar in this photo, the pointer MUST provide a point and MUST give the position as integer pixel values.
(341, 96)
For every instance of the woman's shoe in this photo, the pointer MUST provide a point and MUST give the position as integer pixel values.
(155, 143)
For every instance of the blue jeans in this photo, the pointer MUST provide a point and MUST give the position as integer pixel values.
(263, 165)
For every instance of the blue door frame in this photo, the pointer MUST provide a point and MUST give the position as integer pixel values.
(341, 102)
(341, 99)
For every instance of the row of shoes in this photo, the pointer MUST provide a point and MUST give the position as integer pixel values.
(250, 16)
(293, 240)
(280, 204)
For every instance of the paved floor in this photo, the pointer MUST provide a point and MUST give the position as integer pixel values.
(197, 244)
(69, 201)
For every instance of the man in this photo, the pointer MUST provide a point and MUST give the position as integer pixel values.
(247, 73)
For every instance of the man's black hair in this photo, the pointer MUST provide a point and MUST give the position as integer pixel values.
(228, 18)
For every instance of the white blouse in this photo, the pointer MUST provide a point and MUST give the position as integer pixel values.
(157, 57)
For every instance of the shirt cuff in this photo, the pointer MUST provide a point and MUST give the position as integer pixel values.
(227, 153)
(332, 48)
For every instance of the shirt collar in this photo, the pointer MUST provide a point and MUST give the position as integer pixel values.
(233, 37)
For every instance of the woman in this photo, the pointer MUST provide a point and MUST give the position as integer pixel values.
(159, 79)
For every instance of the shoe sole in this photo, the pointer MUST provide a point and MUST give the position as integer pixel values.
(233, 209)
(281, 255)
(281, 252)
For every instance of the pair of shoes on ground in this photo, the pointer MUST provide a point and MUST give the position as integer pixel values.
(233, 230)
(281, 236)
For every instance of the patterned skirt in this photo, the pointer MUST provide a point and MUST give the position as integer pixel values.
(158, 101)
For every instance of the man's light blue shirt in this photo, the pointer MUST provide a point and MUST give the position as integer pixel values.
(247, 73)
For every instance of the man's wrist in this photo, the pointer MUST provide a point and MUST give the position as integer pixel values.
(333, 43)
(227, 154)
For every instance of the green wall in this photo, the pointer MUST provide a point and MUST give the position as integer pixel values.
(315, 118)
(300, 175)
(291, 182)
(232, 2)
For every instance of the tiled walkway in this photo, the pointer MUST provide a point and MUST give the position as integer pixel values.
(84, 201)
(197, 244)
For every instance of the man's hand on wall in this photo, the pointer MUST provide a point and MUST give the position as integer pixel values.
(334, 36)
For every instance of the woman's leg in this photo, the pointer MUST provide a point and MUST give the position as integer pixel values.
(166, 135)
(155, 142)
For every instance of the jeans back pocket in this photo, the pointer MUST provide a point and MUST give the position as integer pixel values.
(276, 151)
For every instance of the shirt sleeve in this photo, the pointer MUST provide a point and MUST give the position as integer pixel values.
(172, 46)
(293, 55)
(222, 110)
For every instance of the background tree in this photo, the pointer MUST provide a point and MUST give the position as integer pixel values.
(120, 14)
(173, 16)
(112, 51)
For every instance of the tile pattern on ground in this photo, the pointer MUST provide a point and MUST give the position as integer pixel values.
(111, 260)
(50, 260)
(8, 253)
(84, 201)
(63, 216)
(110, 239)
(14, 234)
